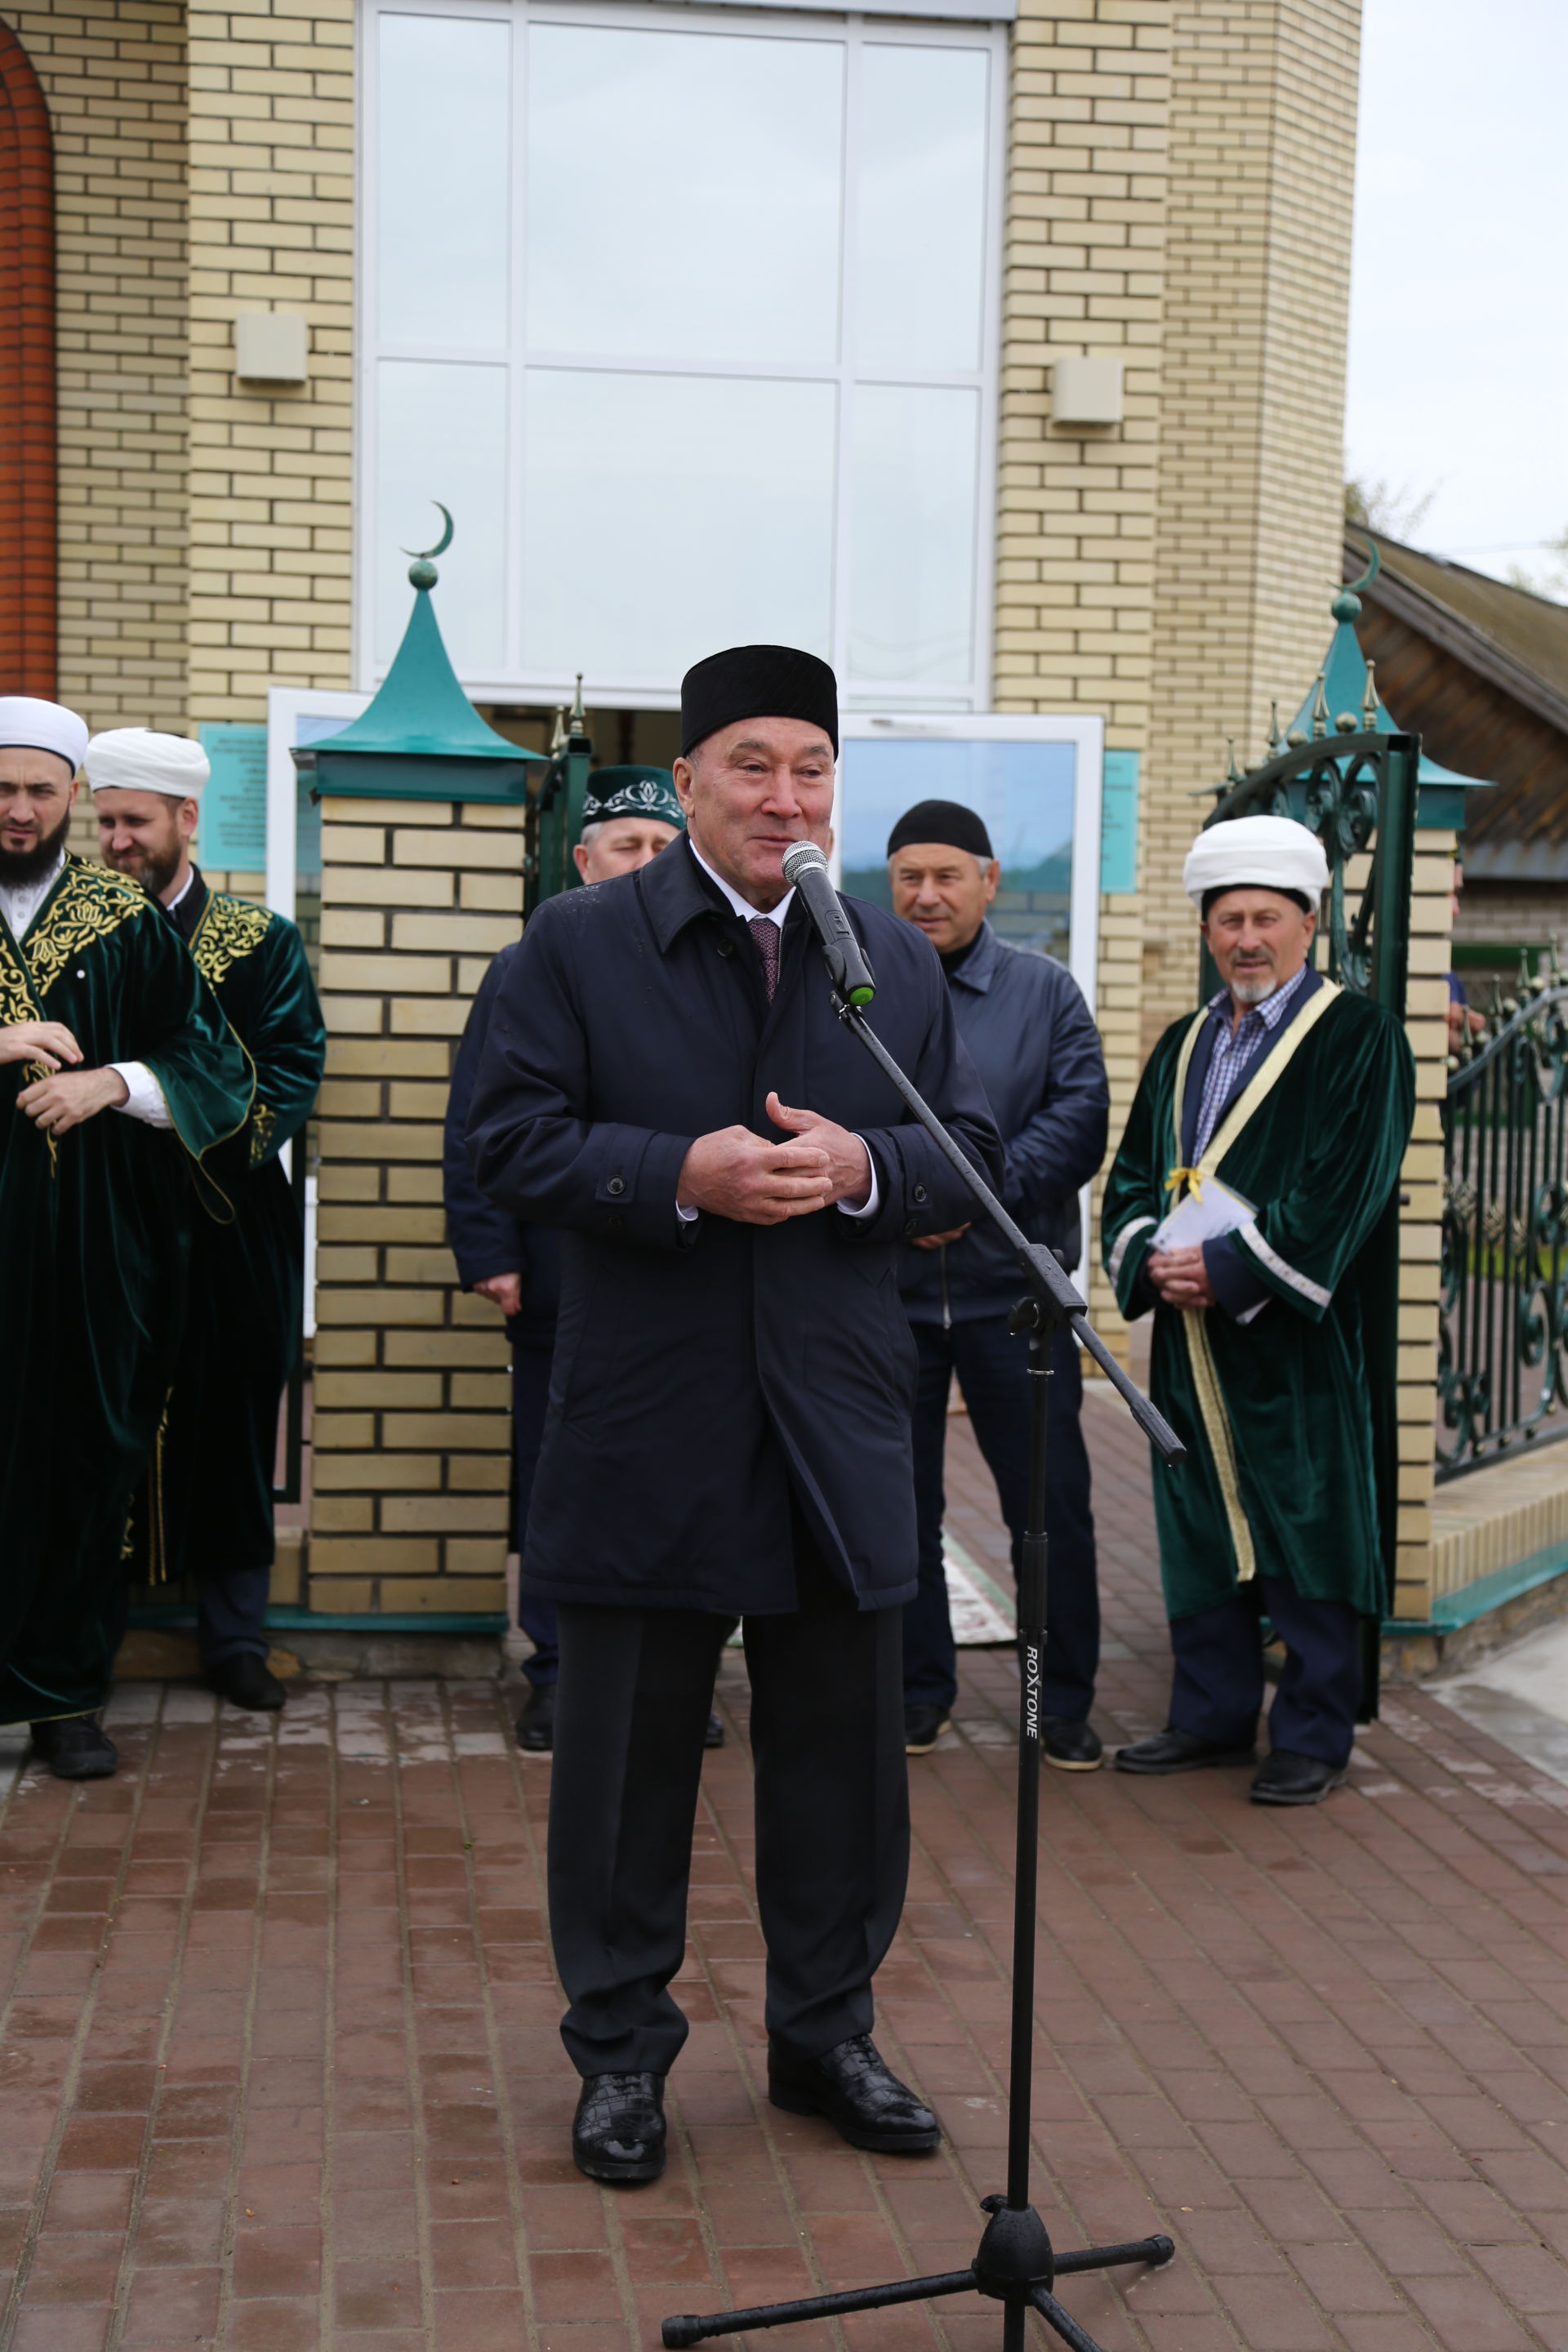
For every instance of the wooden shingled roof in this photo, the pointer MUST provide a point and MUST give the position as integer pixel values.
(1479, 670)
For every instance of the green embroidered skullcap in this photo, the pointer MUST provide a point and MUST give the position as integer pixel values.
(633, 791)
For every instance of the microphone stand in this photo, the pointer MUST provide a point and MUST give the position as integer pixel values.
(1016, 2264)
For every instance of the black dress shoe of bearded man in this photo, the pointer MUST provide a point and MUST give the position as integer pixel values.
(617, 2133)
(852, 2087)
(1179, 1752)
(75, 1747)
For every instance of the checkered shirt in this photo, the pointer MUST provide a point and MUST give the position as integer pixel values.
(1235, 1050)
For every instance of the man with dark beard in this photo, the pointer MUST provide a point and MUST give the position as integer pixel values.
(101, 1010)
(208, 1510)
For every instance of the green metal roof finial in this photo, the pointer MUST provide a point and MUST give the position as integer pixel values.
(1320, 710)
(1369, 705)
(1234, 773)
(1276, 741)
(578, 718)
(558, 739)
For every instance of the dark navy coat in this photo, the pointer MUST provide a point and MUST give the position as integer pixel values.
(1033, 1040)
(706, 1373)
(484, 1239)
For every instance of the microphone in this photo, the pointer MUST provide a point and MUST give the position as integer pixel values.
(805, 869)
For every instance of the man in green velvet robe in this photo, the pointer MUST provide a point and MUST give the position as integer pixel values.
(207, 1511)
(1252, 1205)
(119, 1080)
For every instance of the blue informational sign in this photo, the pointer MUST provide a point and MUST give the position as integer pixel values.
(232, 835)
(1118, 822)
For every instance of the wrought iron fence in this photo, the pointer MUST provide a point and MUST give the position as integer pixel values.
(1357, 789)
(1502, 1365)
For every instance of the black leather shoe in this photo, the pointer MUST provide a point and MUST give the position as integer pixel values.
(923, 1727)
(1178, 1751)
(1285, 1779)
(865, 2104)
(536, 1724)
(1070, 1747)
(75, 1747)
(714, 1735)
(618, 2133)
(247, 1681)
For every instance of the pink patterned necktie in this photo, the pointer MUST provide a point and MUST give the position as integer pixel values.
(766, 935)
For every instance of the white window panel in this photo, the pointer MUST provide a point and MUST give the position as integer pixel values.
(651, 528)
(441, 433)
(444, 153)
(921, 217)
(913, 482)
(684, 194)
(1036, 782)
(691, 316)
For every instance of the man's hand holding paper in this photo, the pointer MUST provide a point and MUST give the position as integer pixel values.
(1176, 1267)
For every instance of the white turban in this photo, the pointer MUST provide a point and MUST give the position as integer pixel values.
(135, 759)
(28, 725)
(1259, 853)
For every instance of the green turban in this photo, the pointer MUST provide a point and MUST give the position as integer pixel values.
(647, 793)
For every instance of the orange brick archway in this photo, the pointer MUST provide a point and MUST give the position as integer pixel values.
(27, 513)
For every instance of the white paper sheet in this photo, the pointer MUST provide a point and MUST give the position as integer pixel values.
(1201, 1218)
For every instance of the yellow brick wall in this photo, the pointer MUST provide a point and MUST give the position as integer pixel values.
(115, 80)
(271, 228)
(412, 1459)
(1263, 98)
(1085, 273)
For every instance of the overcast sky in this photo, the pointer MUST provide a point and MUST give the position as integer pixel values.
(1459, 354)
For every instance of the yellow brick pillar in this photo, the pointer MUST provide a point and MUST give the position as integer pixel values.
(412, 1438)
(1421, 1218)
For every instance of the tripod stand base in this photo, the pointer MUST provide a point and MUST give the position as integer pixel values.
(1015, 2265)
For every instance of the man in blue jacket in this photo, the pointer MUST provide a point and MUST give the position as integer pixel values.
(1033, 1040)
(630, 813)
(666, 1084)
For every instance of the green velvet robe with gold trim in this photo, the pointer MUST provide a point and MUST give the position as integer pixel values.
(1279, 1415)
(208, 1504)
(95, 1232)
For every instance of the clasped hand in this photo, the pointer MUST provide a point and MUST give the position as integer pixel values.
(1181, 1278)
(756, 1182)
(65, 1099)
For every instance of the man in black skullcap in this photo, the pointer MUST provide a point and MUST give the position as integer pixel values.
(1033, 1040)
(665, 1082)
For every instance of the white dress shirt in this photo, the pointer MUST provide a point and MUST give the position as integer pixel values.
(868, 1207)
(144, 1095)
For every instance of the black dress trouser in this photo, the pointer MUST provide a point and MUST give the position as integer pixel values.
(832, 1816)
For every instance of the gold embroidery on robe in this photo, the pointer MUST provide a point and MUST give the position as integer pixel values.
(230, 931)
(263, 1119)
(17, 1002)
(89, 902)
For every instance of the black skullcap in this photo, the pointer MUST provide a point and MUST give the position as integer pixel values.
(757, 682)
(956, 827)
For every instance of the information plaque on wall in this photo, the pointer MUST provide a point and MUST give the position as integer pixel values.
(1118, 822)
(232, 836)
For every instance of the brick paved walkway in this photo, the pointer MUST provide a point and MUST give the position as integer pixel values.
(281, 2071)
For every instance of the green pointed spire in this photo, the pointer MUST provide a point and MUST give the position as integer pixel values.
(421, 738)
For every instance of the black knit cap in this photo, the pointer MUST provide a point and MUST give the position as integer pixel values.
(757, 682)
(948, 821)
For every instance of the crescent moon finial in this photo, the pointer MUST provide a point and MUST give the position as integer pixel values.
(1355, 587)
(424, 554)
